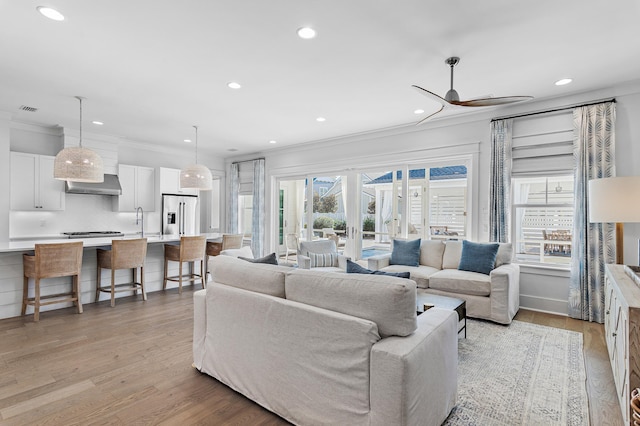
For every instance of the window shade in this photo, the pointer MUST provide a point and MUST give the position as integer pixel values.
(245, 179)
(543, 144)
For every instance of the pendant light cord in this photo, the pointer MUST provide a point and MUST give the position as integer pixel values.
(80, 99)
(196, 127)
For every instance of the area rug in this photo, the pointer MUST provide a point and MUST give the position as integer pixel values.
(521, 374)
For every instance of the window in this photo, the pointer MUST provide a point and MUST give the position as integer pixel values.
(245, 209)
(543, 219)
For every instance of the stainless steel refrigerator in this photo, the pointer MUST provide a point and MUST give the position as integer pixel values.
(179, 214)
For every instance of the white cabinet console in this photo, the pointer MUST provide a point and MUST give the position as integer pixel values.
(622, 330)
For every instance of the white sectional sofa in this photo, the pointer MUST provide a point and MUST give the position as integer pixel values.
(326, 348)
(494, 297)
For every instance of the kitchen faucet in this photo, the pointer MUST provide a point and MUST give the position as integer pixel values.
(141, 220)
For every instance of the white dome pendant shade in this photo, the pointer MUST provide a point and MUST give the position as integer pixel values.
(78, 164)
(196, 176)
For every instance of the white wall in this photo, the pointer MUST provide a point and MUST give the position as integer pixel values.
(541, 289)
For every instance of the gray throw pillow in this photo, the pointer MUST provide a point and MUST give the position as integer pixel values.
(405, 252)
(269, 259)
(478, 257)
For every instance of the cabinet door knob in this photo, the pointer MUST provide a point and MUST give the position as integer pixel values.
(607, 313)
(614, 334)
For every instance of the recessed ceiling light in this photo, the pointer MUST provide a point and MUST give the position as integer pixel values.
(273, 142)
(188, 140)
(306, 33)
(98, 123)
(321, 119)
(50, 13)
(418, 111)
(563, 81)
(234, 85)
(232, 150)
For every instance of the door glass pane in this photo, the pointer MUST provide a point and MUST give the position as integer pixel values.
(447, 204)
(329, 213)
(379, 208)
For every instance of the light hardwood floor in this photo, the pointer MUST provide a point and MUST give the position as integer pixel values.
(132, 365)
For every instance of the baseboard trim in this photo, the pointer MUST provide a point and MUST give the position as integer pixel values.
(544, 304)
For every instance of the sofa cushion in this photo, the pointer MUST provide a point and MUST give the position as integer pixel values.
(431, 253)
(505, 254)
(405, 252)
(390, 302)
(463, 282)
(322, 260)
(419, 274)
(269, 259)
(452, 254)
(354, 268)
(244, 252)
(258, 277)
(478, 257)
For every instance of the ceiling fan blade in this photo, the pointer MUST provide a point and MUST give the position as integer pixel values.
(430, 115)
(430, 95)
(492, 101)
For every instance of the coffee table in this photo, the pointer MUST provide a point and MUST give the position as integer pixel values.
(445, 302)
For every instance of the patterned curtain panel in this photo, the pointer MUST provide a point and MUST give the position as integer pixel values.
(257, 220)
(232, 210)
(500, 185)
(593, 243)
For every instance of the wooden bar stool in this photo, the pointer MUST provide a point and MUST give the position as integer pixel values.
(50, 261)
(229, 241)
(191, 249)
(124, 254)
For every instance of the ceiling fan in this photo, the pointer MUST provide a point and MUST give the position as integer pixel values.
(453, 99)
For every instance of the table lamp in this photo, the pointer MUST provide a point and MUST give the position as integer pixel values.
(615, 199)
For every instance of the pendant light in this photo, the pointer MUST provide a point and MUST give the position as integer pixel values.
(196, 176)
(78, 164)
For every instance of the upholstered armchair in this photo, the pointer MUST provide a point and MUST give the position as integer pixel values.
(321, 254)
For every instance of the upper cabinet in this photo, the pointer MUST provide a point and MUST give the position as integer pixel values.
(138, 189)
(32, 184)
(170, 182)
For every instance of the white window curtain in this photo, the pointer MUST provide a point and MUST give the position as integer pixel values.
(257, 220)
(500, 186)
(593, 243)
(232, 202)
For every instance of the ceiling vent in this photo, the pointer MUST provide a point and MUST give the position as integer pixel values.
(27, 108)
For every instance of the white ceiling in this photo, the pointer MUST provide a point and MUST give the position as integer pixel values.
(150, 69)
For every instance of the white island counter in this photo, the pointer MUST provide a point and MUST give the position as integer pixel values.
(11, 276)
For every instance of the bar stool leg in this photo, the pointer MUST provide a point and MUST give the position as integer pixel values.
(144, 292)
(25, 295)
(36, 306)
(134, 272)
(166, 265)
(113, 288)
(203, 276)
(76, 291)
(98, 283)
(180, 279)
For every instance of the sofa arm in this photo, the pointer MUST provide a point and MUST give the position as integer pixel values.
(414, 378)
(375, 263)
(304, 262)
(505, 292)
(199, 327)
(342, 262)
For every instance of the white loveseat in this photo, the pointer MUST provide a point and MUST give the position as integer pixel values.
(494, 297)
(326, 348)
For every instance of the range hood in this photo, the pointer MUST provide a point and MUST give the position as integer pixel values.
(110, 186)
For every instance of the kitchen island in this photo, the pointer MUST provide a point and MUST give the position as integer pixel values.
(11, 273)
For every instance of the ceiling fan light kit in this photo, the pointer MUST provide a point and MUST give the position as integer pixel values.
(452, 99)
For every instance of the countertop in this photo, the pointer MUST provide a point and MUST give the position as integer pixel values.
(26, 245)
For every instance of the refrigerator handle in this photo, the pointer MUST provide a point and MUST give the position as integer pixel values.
(181, 224)
(184, 210)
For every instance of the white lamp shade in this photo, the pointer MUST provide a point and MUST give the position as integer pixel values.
(77, 164)
(196, 176)
(614, 200)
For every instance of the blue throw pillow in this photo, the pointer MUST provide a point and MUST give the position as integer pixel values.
(354, 268)
(405, 253)
(478, 257)
(269, 259)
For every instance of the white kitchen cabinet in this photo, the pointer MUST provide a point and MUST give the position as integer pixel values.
(32, 184)
(138, 189)
(170, 182)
